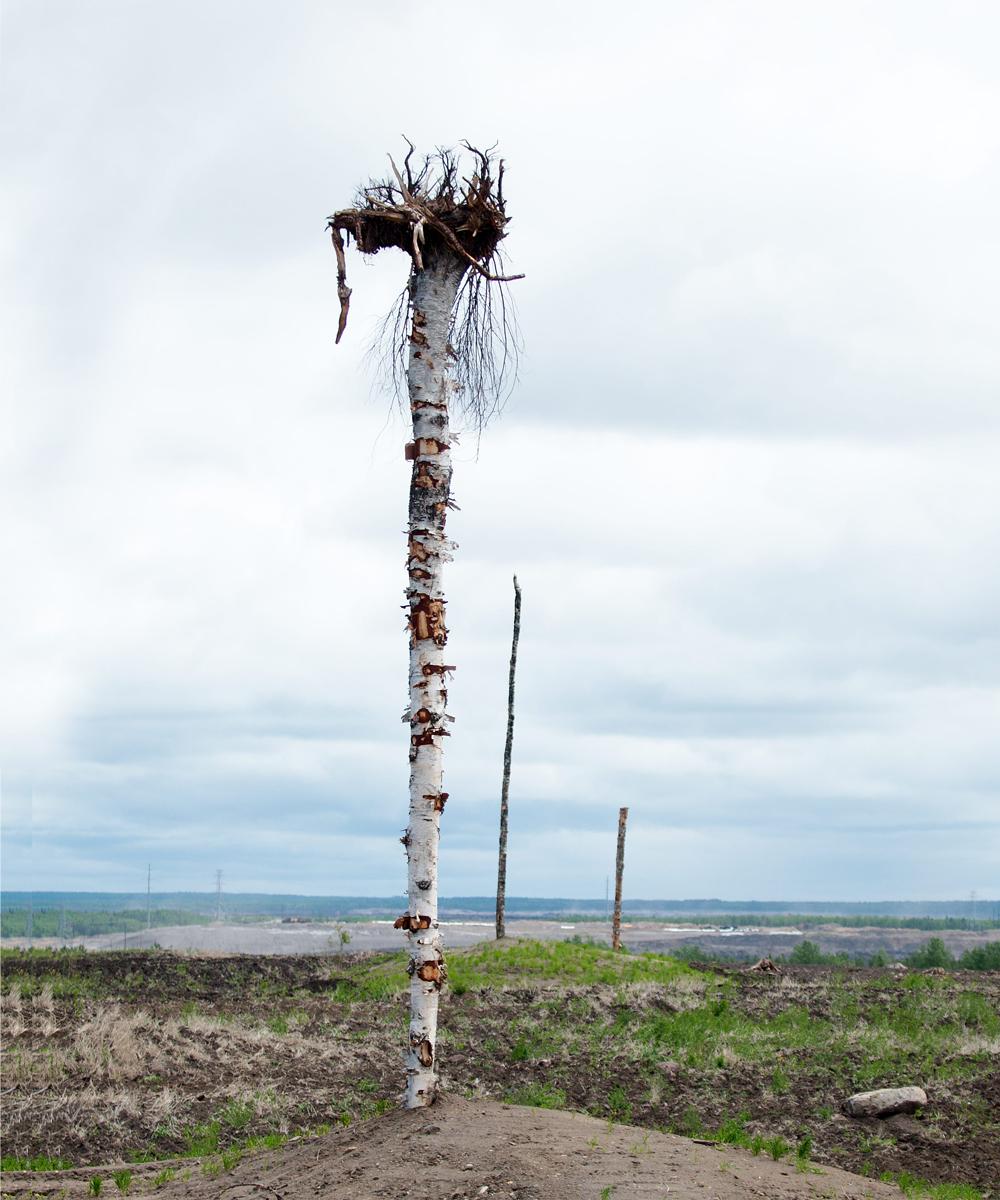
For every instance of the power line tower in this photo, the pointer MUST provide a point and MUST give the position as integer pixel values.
(218, 894)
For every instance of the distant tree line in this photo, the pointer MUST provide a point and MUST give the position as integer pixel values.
(53, 923)
(933, 953)
(810, 920)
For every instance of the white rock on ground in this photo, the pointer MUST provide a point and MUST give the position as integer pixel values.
(886, 1101)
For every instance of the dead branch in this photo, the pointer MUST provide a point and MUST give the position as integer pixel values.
(343, 291)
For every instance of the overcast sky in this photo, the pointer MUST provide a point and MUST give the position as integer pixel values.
(748, 478)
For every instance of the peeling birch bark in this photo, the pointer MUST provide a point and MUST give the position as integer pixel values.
(435, 288)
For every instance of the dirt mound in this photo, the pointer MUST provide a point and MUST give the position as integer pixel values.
(464, 1149)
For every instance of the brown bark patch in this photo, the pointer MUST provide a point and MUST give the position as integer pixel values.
(427, 620)
(427, 737)
(407, 921)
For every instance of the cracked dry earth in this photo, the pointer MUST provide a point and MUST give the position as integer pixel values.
(465, 1149)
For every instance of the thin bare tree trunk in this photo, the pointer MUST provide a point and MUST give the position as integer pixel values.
(434, 291)
(505, 787)
(616, 922)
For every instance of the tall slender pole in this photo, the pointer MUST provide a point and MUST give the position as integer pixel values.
(505, 788)
(616, 924)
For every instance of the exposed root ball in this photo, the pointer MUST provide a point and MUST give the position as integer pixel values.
(431, 213)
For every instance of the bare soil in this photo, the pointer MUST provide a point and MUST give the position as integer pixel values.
(463, 1149)
(114, 1057)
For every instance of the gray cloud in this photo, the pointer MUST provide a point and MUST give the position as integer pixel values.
(747, 478)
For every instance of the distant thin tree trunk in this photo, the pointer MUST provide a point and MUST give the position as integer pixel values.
(505, 788)
(616, 922)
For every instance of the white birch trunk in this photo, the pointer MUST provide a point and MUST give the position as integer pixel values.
(429, 383)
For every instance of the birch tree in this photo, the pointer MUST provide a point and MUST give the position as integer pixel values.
(449, 339)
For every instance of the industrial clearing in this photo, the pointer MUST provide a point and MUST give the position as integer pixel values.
(567, 1071)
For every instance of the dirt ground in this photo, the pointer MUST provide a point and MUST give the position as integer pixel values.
(126, 1056)
(462, 1149)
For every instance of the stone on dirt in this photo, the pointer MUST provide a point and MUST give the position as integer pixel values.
(885, 1101)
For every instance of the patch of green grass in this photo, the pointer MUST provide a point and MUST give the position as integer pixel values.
(733, 1131)
(777, 1147)
(779, 1082)
(165, 1176)
(41, 1162)
(202, 1140)
(537, 1095)
(228, 1159)
(63, 986)
(238, 1114)
(94, 1187)
(919, 1189)
(123, 1181)
(619, 1107)
(267, 1141)
(524, 962)
(360, 1104)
